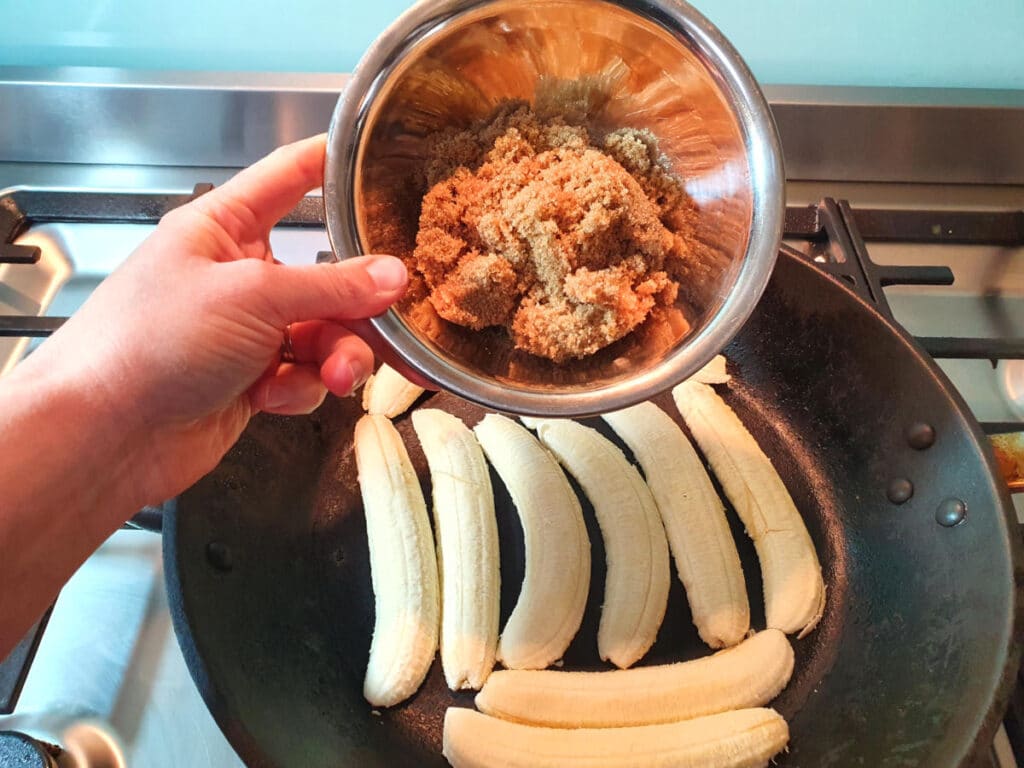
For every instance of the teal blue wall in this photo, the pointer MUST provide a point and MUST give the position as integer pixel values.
(843, 42)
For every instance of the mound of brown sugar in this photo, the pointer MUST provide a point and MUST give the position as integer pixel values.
(529, 225)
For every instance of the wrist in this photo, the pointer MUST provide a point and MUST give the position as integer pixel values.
(72, 441)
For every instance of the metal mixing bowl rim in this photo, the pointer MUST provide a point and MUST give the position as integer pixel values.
(764, 158)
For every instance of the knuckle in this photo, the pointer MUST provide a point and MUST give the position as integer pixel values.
(349, 283)
(254, 275)
(255, 283)
(176, 217)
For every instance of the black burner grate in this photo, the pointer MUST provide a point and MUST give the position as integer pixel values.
(837, 237)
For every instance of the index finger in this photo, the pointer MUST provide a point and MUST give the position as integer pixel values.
(263, 193)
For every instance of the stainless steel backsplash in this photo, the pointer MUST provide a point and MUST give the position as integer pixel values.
(207, 119)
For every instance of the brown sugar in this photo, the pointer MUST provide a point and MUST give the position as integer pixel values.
(529, 225)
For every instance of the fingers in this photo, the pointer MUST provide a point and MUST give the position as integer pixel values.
(355, 288)
(289, 391)
(264, 192)
(345, 360)
(328, 356)
(384, 353)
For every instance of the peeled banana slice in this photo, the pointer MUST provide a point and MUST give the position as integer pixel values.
(794, 592)
(694, 518)
(467, 547)
(402, 565)
(746, 738)
(747, 675)
(637, 577)
(554, 592)
(713, 373)
(389, 393)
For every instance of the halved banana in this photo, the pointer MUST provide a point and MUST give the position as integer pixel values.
(554, 593)
(636, 552)
(389, 393)
(794, 592)
(467, 547)
(747, 675)
(402, 565)
(694, 518)
(745, 738)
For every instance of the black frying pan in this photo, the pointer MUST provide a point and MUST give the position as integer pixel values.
(268, 573)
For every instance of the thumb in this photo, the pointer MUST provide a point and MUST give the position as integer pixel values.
(348, 290)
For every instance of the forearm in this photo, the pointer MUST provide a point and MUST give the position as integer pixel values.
(63, 487)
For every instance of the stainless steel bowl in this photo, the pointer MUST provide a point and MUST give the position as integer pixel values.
(660, 66)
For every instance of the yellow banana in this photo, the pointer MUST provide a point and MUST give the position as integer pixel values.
(747, 675)
(636, 552)
(794, 592)
(694, 518)
(467, 547)
(745, 738)
(554, 592)
(402, 565)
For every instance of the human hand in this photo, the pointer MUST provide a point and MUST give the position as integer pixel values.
(180, 345)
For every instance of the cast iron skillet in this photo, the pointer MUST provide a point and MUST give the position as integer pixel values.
(268, 575)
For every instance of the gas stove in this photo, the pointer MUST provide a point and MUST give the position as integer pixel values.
(896, 193)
